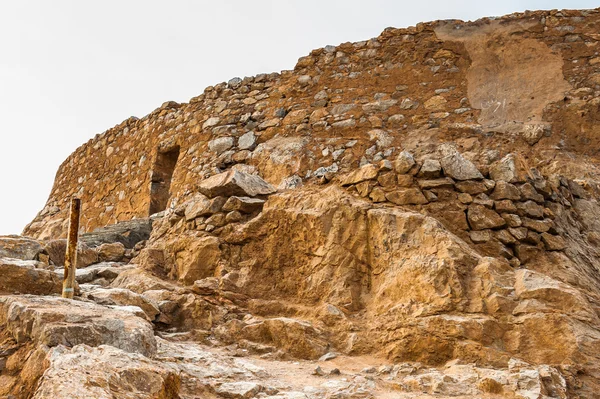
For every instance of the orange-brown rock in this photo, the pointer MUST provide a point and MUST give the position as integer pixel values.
(427, 198)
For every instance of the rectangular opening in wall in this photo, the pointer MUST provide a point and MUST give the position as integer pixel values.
(162, 173)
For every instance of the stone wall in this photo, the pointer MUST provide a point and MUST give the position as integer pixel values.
(471, 84)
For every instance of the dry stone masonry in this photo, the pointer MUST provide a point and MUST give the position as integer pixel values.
(412, 216)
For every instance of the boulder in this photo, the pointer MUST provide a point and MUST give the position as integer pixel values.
(442, 183)
(128, 233)
(553, 243)
(481, 218)
(459, 168)
(364, 173)
(140, 281)
(101, 273)
(123, 297)
(56, 250)
(430, 169)
(404, 162)
(25, 277)
(511, 169)
(206, 286)
(504, 190)
(243, 204)
(221, 144)
(236, 183)
(111, 252)
(84, 372)
(203, 206)
(540, 226)
(474, 187)
(239, 390)
(18, 247)
(57, 321)
(408, 196)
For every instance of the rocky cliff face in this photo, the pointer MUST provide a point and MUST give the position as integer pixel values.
(410, 216)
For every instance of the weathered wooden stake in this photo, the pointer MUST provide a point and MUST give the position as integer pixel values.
(71, 255)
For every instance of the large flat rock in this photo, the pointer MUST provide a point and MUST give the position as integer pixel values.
(56, 321)
(25, 277)
(235, 183)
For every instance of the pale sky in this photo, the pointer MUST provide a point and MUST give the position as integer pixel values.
(70, 69)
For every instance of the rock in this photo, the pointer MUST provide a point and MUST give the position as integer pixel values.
(404, 162)
(56, 321)
(379, 106)
(553, 243)
(221, 144)
(56, 250)
(25, 277)
(511, 169)
(484, 200)
(529, 192)
(104, 372)
(531, 209)
(238, 390)
(195, 258)
(512, 220)
(532, 133)
(298, 338)
(459, 168)
(202, 206)
(140, 281)
(443, 183)
(365, 172)
(481, 218)
(328, 356)
(520, 233)
(541, 226)
(233, 217)
(504, 190)
(505, 237)
(505, 206)
(430, 169)
(465, 198)
(480, 236)
(17, 247)
(475, 187)
(206, 286)
(243, 204)
(269, 123)
(236, 183)
(435, 103)
(127, 233)
(123, 297)
(111, 252)
(247, 141)
(409, 196)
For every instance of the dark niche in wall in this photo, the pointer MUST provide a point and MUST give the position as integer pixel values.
(162, 173)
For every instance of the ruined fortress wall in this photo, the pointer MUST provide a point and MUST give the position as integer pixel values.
(492, 87)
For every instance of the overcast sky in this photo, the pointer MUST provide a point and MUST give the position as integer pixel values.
(70, 69)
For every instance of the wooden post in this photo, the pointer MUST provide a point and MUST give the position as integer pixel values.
(71, 255)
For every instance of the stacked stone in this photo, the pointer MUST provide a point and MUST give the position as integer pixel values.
(508, 214)
(225, 198)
